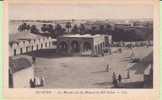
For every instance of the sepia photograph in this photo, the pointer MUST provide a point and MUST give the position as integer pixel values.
(80, 46)
(81, 49)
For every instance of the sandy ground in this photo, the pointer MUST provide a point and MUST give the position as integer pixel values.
(86, 72)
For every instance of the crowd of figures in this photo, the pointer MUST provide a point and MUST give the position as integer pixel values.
(37, 82)
(116, 79)
(146, 43)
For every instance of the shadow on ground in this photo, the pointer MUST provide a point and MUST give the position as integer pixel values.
(103, 83)
(142, 65)
(138, 84)
(102, 71)
(50, 54)
(46, 53)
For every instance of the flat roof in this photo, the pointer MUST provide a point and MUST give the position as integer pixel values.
(23, 35)
(83, 36)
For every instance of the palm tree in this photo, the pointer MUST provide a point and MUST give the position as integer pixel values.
(94, 30)
(108, 29)
(59, 30)
(23, 27)
(28, 27)
(68, 26)
(34, 29)
(82, 29)
(20, 28)
(43, 28)
(50, 28)
(75, 29)
(101, 29)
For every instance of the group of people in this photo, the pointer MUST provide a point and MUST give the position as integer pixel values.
(116, 81)
(36, 82)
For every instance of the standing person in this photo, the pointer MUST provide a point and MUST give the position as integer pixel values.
(114, 76)
(115, 82)
(31, 83)
(128, 74)
(34, 82)
(38, 82)
(34, 59)
(107, 68)
(42, 81)
(120, 78)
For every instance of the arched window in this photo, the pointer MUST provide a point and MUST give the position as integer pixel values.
(37, 47)
(87, 46)
(75, 46)
(21, 50)
(63, 47)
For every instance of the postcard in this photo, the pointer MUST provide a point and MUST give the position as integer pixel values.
(81, 49)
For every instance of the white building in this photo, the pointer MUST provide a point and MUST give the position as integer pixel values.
(22, 46)
(20, 72)
(80, 44)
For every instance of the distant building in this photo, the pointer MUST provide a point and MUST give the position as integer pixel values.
(123, 25)
(25, 45)
(82, 44)
(20, 72)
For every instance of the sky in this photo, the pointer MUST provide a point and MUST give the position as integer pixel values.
(82, 11)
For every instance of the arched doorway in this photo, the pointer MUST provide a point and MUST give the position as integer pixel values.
(37, 47)
(87, 46)
(75, 47)
(27, 49)
(21, 50)
(32, 48)
(46, 45)
(41, 45)
(63, 47)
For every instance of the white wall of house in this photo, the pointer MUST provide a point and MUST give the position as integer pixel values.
(26, 46)
(99, 39)
(17, 50)
(22, 77)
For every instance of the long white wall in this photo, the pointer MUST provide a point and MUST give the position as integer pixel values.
(25, 46)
